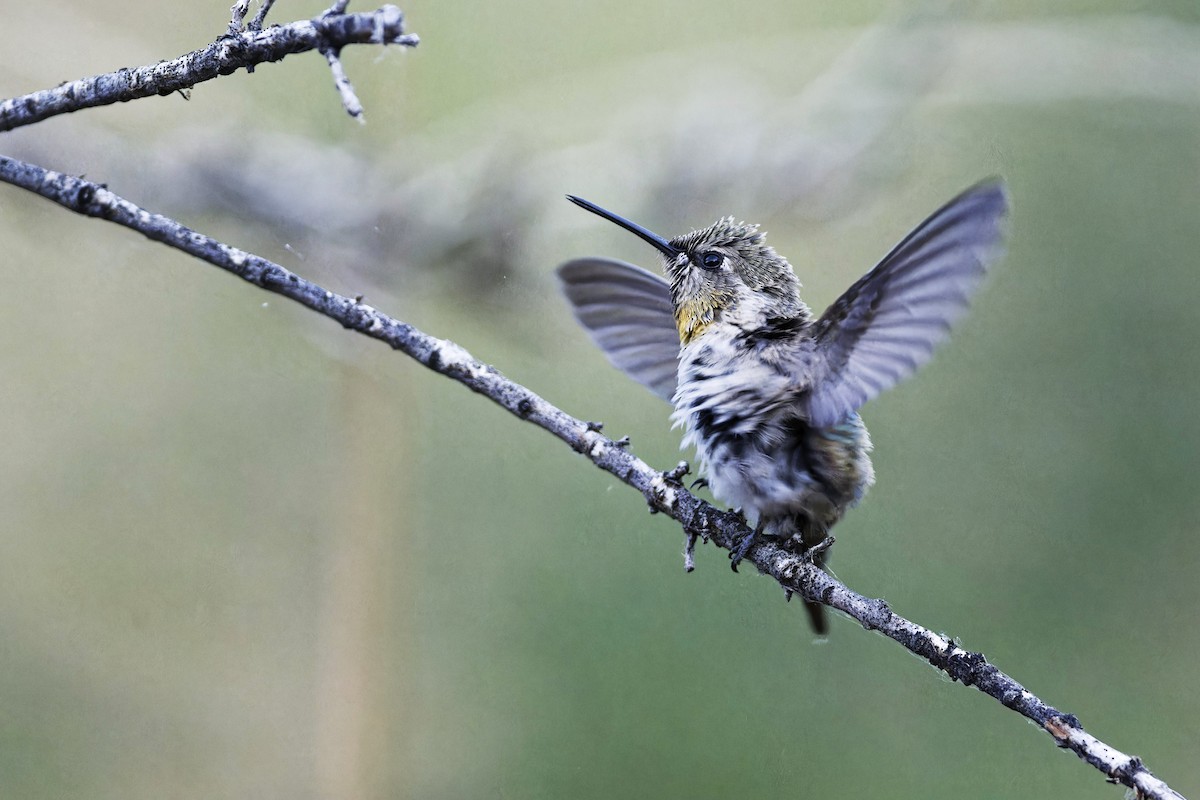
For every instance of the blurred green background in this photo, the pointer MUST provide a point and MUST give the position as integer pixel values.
(247, 554)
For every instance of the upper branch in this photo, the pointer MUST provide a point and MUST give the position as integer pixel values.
(663, 491)
(327, 33)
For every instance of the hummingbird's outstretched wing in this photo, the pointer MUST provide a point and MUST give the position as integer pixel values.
(628, 313)
(887, 324)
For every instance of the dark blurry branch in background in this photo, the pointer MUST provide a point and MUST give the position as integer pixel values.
(823, 150)
(819, 150)
(328, 33)
(663, 491)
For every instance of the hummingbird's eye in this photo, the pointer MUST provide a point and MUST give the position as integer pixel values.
(711, 259)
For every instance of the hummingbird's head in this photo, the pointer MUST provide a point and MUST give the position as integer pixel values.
(719, 272)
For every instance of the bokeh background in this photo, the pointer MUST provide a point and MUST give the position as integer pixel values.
(246, 554)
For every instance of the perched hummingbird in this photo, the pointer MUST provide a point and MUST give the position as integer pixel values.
(768, 395)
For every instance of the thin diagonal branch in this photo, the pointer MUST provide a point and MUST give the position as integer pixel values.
(236, 49)
(662, 491)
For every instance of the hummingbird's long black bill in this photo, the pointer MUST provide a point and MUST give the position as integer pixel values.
(661, 244)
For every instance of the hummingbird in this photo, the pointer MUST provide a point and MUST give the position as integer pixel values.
(766, 393)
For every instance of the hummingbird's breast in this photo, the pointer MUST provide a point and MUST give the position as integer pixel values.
(739, 406)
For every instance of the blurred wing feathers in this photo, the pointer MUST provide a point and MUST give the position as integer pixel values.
(627, 311)
(888, 323)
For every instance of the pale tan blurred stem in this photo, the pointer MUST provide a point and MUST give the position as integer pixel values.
(357, 632)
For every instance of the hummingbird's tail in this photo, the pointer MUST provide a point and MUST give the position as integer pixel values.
(817, 617)
(813, 533)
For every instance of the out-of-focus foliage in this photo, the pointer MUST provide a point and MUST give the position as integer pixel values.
(246, 555)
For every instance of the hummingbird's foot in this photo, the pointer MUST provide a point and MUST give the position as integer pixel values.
(744, 546)
(700, 483)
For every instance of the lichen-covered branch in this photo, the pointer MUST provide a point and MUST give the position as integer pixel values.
(663, 491)
(328, 33)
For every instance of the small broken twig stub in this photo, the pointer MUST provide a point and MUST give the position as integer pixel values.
(341, 82)
(234, 50)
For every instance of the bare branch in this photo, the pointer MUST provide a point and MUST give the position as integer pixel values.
(328, 32)
(662, 490)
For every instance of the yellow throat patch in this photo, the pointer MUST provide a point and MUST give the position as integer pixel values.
(693, 317)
